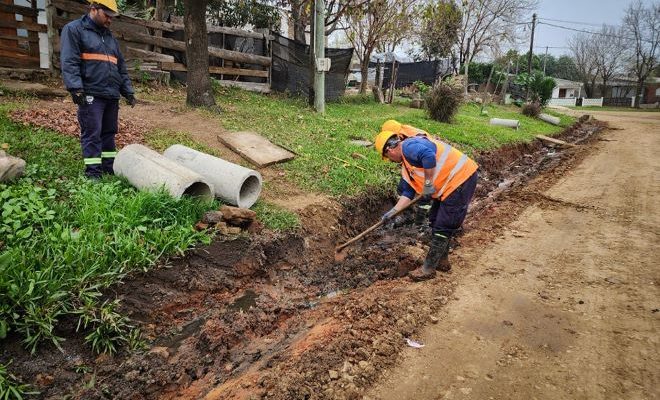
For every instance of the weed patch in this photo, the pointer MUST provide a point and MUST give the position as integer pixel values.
(63, 239)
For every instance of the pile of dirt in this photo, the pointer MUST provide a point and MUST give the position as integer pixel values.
(63, 118)
(275, 316)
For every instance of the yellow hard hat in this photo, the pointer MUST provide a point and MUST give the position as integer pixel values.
(391, 125)
(109, 4)
(381, 139)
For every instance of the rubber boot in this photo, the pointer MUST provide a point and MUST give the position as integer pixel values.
(437, 251)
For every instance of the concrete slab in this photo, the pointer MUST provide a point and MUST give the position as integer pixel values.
(255, 148)
(36, 89)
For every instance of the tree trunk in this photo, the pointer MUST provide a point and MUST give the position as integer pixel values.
(199, 93)
(638, 93)
(298, 23)
(364, 72)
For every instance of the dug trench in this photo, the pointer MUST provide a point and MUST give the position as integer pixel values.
(275, 316)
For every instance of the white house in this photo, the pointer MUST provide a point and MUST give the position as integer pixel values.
(565, 89)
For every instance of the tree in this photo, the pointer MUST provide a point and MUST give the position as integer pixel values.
(238, 13)
(302, 11)
(585, 56)
(564, 68)
(643, 25)
(490, 24)
(368, 26)
(199, 92)
(437, 32)
(610, 50)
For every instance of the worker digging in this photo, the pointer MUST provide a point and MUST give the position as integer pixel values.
(444, 179)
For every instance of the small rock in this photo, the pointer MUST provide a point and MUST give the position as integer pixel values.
(10, 167)
(200, 226)
(237, 216)
(459, 378)
(234, 230)
(160, 351)
(255, 227)
(212, 217)
(334, 375)
(361, 143)
(489, 377)
(507, 323)
(466, 391)
(358, 156)
(433, 319)
(364, 364)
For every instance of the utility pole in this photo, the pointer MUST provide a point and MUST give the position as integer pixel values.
(321, 64)
(466, 63)
(531, 49)
(545, 59)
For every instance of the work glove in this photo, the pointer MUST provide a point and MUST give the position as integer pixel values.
(78, 98)
(388, 215)
(427, 191)
(130, 99)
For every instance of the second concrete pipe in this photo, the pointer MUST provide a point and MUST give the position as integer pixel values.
(233, 183)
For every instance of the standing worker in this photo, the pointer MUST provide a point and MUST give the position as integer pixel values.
(440, 174)
(94, 72)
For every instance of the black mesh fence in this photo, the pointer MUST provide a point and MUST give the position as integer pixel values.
(408, 73)
(617, 101)
(291, 68)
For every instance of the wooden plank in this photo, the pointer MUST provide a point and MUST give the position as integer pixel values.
(250, 86)
(14, 51)
(554, 141)
(255, 148)
(218, 70)
(160, 25)
(181, 46)
(30, 26)
(15, 9)
(10, 37)
(145, 55)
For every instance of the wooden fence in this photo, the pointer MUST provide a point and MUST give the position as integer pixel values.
(19, 35)
(141, 41)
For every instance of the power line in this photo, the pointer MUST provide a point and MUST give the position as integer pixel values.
(570, 22)
(590, 32)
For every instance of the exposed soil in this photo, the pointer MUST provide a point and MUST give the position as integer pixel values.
(564, 303)
(275, 316)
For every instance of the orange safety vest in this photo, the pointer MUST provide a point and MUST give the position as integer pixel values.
(452, 168)
(408, 131)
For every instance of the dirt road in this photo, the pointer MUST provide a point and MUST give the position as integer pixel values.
(564, 305)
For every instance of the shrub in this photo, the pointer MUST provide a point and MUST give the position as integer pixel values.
(444, 99)
(421, 87)
(540, 86)
(531, 109)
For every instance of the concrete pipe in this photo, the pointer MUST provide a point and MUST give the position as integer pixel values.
(147, 170)
(549, 119)
(233, 183)
(509, 123)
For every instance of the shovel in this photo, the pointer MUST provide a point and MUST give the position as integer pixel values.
(340, 253)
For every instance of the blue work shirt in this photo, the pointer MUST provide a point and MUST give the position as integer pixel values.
(420, 153)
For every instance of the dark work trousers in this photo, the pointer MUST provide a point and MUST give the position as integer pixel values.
(447, 216)
(98, 127)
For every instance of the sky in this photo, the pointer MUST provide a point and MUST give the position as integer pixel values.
(589, 15)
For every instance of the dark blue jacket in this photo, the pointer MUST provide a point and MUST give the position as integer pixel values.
(420, 153)
(91, 60)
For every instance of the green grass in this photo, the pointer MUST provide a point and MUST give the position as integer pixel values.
(610, 108)
(324, 159)
(63, 239)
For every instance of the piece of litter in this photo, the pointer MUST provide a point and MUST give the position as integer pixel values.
(414, 344)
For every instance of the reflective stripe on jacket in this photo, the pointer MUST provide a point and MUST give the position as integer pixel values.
(452, 168)
(91, 60)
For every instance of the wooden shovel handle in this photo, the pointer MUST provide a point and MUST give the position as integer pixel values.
(376, 225)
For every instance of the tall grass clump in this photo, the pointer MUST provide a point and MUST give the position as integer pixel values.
(444, 100)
